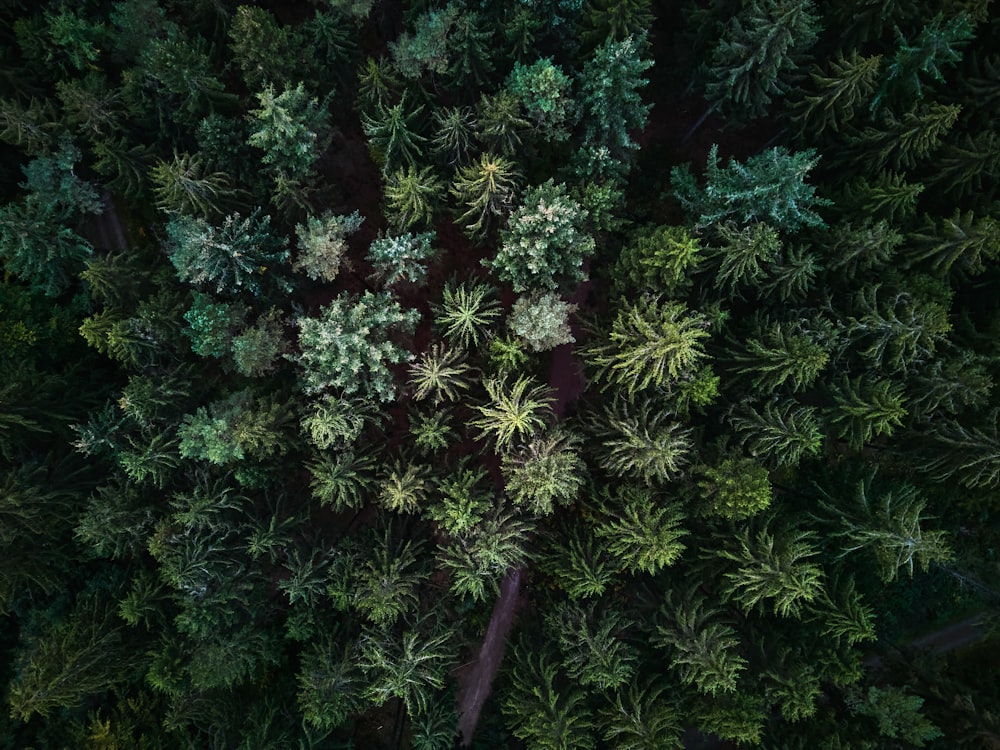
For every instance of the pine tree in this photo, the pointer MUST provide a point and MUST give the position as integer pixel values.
(642, 532)
(580, 564)
(412, 197)
(386, 580)
(477, 560)
(392, 137)
(866, 409)
(541, 321)
(901, 142)
(543, 245)
(292, 130)
(401, 258)
(651, 344)
(182, 187)
(544, 91)
(548, 470)
(545, 715)
(758, 53)
(456, 130)
(897, 330)
(348, 348)
(610, 105)
(500, 122)
(704, 648)
(658, 259)
(965, 242)
(439, 373)
(514, 412)
(330, 683)
(404, 487)
(485, 193)
(848, 87)
(769, 187)
(637, 440)
(735, 488)
(322, 244)
(642, 719)
(342, 481)
(744, 254)
(466, 312)
(960, 169)
(785, 353)
(594, 652)
(887, 520)
(773, 566)
(230, 257)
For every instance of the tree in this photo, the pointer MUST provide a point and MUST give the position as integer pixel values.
(783, 432)
(38, 241)
(478, 559)
(901, 329)
(897, 714)
(745, 254)
(462, 501)
(758, 54)
(964, 241)
(404, 487)
(867, 408)
(642, 532)
(658, 259)
(849, 86)
(456, 129)
(409, 666)
(901, 142)
(782, 355)
(961, 166)
(330, 683)
(411, 197)
(391, 135)
(71, 658)
(541, 320)
(773, 566)
(471, 49)
(235, 428)
(348, 348)
(543, 244)
(736, 488)
(594, 652)
(486, 192)
(544, 91)
(642, 718)
(513, 412)
(546, 716)
(322, 244)
(386, 580)
(401, 258)
(886, 519)
(427, 48)
(292, 130)
(500, 122)
(651, 344)
(466, 311)
(704, 647)
(547, 470)
(342, 481)
(439, 373)
(610, 106)
(639, 440)
(231, 257)
(936, 46)
(580, 564)
(769, 187)
(182, 186)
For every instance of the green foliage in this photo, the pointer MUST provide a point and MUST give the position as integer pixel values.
(485, 193)
(784, 354)
(73, 657)
(329, 683)
(233, 429)
(411, 197)
(642, 532)
(546, 471)
(594, 653)
(466, 311)
(347, 347)
(431, 430)
(401, 258)
(937, 45)
(404, 487)
(610, 106)
(867, 408)
(38, 243)
(736, 488)
(439, 373)
(257, 350)
(545, 715)
(651, 343)
(541, 321)
(387, 579)
(322, 244)
(291, 129)
(897, 714)
(391, 135)
(580, 564)
(757, 55)
(212, 325)
(964, 242)
(455, 129)
(744, 254)
(640, 441)
(643, 719)
(783, 432)
(703, 645)
(234, 256)
(658, 260)
(544, 91)
(848, 86)
(902, 142)
(773, 566)
(514, 412)
(462, 501)
(182, 186)
(426, 49)
(479, 558)
(343, 480)
(500, 122)
(768, 187)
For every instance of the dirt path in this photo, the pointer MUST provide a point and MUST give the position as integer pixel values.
(475, 686)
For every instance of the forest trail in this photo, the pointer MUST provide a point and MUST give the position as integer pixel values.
(476, 685)
(566, 379)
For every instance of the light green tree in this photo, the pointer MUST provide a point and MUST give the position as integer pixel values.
(322, 244)
(541, 320)
(291, 129)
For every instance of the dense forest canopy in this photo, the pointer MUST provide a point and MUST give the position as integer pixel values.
(544, 374)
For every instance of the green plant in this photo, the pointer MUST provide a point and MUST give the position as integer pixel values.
(466, 311)
(485, 190)
(544, 91)
(401, 258)
(513, 412)
(541, 320)
(547, 471)
(292, 129)
(322, 244)
(411, 196)
(439, 373)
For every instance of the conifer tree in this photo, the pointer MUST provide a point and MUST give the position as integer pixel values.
(291, 129)
(485, 193)
(392, 136)
(757, 53)
(642, 532)
(847, 88)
